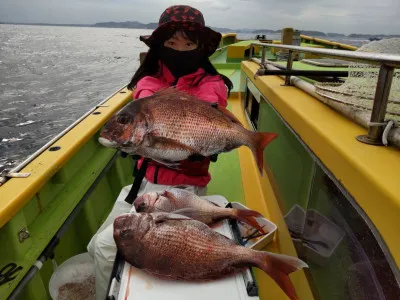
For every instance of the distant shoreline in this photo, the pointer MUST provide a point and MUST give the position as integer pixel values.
(139, 25)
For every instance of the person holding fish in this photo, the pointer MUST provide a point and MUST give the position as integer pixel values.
(178, 57)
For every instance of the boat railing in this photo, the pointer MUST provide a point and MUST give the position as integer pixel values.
(221, 48)
(386, 62)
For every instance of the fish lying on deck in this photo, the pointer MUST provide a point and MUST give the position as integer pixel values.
(172, 246)
(189, 204)
(171, 126)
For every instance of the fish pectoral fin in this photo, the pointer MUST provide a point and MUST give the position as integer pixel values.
(170, 196)
(215, 204)
(159, 142)
(192, 213)
(168, 217)
(168, 163)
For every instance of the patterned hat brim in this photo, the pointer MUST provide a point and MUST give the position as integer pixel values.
(211, 37)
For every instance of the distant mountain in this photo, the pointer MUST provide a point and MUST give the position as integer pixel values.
(139, 25)
(305, 32)
(333, 34)
(266, 31)
(223, 30)
(48, 24)
(127, 24)
(135, 24)
(367, 36)
(312, 33)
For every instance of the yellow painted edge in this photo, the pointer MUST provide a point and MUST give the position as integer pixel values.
(259, 196)
(231, 73)
(225, 35)
(327, 42)
(235, 52)
(16, 192)
(369, 173)
(238, 51)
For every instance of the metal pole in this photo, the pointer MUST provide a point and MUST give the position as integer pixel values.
(263, 55)
(310, 73)
(390, 60)
(289, 66)
(382, 92)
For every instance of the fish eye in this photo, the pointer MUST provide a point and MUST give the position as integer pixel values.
(123, 119)
(141, 206)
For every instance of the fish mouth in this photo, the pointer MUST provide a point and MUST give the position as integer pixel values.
(123, 221)
(107, 143)
(139, 200)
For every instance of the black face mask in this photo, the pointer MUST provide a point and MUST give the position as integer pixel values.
(181, 63)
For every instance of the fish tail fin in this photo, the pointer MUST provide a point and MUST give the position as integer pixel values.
(278, 267)
(248, 216)
(259, 141)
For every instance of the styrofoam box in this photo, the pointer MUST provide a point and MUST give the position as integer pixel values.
(267, 225)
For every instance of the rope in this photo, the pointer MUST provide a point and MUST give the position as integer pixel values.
(385, 134)
(388, 126)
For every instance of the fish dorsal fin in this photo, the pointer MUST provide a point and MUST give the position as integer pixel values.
(229, 114)
(166, 90)
(173, 91)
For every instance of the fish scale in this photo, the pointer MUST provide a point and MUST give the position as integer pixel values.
(175, 247)
(201, 245)
(197, 133)
(193, 129)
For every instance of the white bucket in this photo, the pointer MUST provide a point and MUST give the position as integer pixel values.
(73, 279)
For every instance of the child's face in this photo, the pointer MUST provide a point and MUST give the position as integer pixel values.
(180, 42)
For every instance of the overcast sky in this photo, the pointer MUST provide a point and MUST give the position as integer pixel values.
(342, 16)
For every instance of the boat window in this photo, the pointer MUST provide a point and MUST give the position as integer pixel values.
(252, 106)
(247, 53)
(228, 40)
(347, 257)
(346, 260)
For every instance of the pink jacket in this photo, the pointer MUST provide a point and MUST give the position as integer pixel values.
(209, 88)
